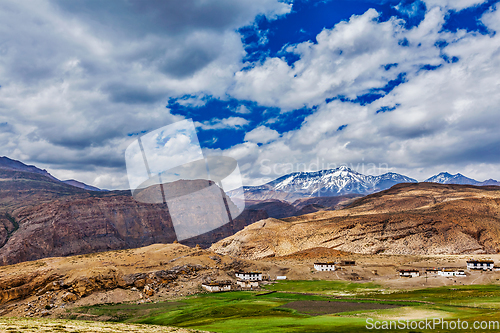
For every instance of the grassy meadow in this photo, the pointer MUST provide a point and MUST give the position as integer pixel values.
(311, 306)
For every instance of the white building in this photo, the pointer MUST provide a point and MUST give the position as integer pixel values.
(432, 271)
(216, 286)
(252, 276)
(324, 266)
(281, 277)
(480, 264)
(409, 273)
(451, 272)
(247, 284)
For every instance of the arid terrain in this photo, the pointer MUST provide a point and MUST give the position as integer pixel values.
(413, 219)
(67, 249)
(52, 287)
(41, 216)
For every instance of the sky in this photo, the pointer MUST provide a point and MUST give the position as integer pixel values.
(404, 86)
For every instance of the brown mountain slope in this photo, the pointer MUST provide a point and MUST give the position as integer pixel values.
(86, 225)
(42, 217)
(406, 219)
(128, 275)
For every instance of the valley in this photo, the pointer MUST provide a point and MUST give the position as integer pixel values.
(80, 259)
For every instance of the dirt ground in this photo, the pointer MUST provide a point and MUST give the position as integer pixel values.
(383, 269)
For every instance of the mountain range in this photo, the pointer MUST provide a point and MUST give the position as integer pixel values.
(41, 216)
(342, 181)
(13, 165)
(446, 178)
(323, 183)
(412, 218)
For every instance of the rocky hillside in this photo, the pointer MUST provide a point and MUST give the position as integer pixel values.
(51, 286)
(420, 218)
(42, 217)
(85, 225)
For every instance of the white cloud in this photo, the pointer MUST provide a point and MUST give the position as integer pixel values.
(73, 89)
(262, 134)
(78, 77)
(453, 4)
(242, 109)
(226, 123)
(441, 120)
(347, 60)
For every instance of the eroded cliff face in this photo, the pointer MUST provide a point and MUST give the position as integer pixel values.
(41, 217)
(407, 219)
(85, 225)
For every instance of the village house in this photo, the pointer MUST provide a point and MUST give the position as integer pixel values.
(451, 272)
(247, 284)
(432, 270)
(252, 276)
(409, 273)
(281, 277)
(217, 286)
(480, 264)
(324, 266)
(347, 263)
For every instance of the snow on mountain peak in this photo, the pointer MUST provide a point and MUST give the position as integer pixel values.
(338, 181)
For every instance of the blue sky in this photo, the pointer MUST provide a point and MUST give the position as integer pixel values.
(411, 86)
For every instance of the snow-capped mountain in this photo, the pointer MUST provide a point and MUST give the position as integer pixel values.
(447, 178)
(331, 182)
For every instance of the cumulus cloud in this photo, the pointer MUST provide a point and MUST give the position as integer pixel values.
(441, 119)
(454, 4)
(262, 134)
(226, 123)
(242, 109)
(80, 80)
(351, 59)
(79, 77)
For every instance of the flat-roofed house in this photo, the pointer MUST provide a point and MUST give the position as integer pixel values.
(324, 266)
(252, 276)
(452, 272)
(480, 264)
(409, 273)
(217, 286)
(247, 284)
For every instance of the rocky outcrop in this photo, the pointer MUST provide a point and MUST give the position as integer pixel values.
(24, 284)
(45, 282)
(43, 217)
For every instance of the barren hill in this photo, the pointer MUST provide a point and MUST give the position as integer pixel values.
(41, 217)
(420, 218)
(43, 287)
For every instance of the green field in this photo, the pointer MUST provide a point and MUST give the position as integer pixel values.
(257, 312)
